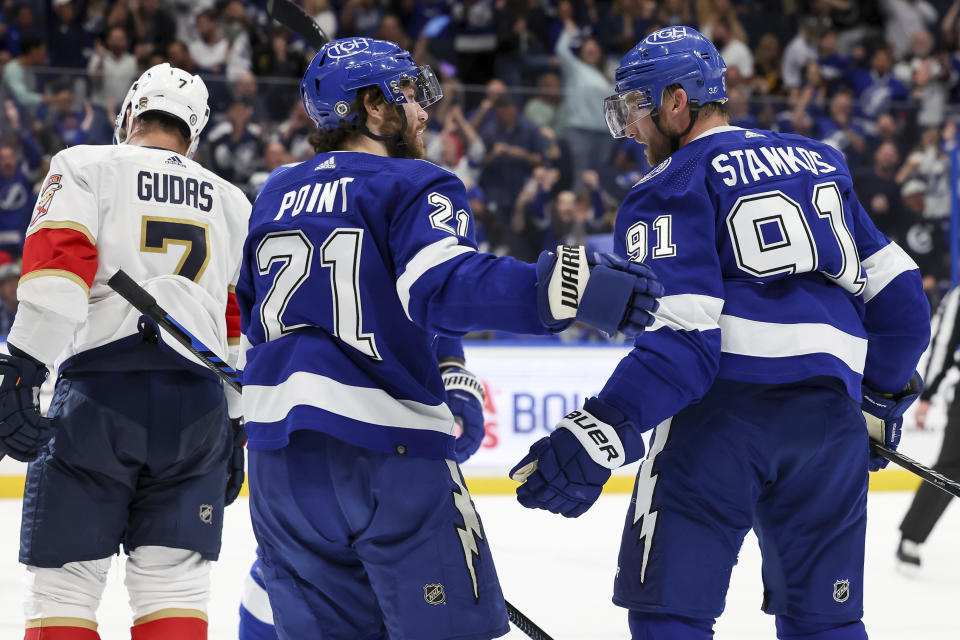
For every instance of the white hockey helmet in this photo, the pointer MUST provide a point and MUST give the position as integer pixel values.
(171, 90)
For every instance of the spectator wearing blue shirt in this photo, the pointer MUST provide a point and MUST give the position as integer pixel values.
(20, 24)
(236, 145)
(16, 201)
(876, 89)
(514, 148)
(66, 34)
(839, 130)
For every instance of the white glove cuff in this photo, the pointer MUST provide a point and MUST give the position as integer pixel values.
(568, 282)
(463, 381)
(597, 437)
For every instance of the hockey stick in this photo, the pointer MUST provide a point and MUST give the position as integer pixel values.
(935, 478)
(146, 304)
(293, 17)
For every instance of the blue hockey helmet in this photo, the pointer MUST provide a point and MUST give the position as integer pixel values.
(674, 55)
(342, 67)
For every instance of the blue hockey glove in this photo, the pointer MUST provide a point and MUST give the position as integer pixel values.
(235, 472)
(465, 399)
(600, 289)
(23, 431)
(884, 415)
(565, 472)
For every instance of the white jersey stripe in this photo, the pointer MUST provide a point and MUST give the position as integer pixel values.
(774, 340)
(883, 266)
(688, 312)
(427, 258)
(255, 600)
(364, 404)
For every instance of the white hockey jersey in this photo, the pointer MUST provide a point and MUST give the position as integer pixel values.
(171, 225)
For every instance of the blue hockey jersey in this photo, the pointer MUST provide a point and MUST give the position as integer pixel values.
(353, 265)
(773, 272)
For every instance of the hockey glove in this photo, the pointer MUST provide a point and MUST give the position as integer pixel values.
(565, 472)
(884, 415)
(600, 289)
(235, 473)
(23, 431)
(465, 399)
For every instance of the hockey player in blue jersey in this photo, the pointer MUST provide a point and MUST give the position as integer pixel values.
(355, 261)
(465, 396)
(787, 318)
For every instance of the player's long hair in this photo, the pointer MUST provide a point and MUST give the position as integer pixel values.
(324, 140)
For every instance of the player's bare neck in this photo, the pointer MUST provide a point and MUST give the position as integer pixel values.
(702, 125)
(364, 144)
(160, 139)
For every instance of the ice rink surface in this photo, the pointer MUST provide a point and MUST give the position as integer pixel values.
(560, 573)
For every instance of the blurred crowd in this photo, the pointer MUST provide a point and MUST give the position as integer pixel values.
(521, 122)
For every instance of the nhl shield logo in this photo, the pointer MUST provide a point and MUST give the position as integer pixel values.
(434, 594)
(841, 590)
(206, 513)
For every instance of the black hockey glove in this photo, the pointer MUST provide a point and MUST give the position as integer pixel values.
(23, 431)
(235, 472)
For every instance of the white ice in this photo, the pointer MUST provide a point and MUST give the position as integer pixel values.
(560, 573)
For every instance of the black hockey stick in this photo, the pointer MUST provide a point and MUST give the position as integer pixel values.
(293, 17)
(146, 304)
(935, 478)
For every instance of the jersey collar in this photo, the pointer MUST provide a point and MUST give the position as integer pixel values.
(723, 129)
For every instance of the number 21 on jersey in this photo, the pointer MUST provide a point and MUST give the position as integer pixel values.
(340, 253)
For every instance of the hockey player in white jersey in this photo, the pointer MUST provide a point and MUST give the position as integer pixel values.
(142, 453)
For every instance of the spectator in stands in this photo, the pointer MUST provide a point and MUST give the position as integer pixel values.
(931, 165)
(676, 12)
(734, 52)
(545, 108)
(245, 90)
(483, 117)
(834, 66)
(585, 87)
(18, 76)
(235, 25)
(236, 145)
(392, 29)
(16, 200)
(923, 239)
(929, 78)
(155, 24)
(514, 148)
(295, 132)
(21, 23)
(839, 130)
(112, 69)
(710, 12)
(767, 66)
(275, 58)
(877, 91)
(474, 29)
(879, 192)
(738, 106)
(801, 50)
(903, 19)
(211, 50)
(458, 148)
(9, 277)
(324, 15)
(66, 35)
(361, 18)
(274, 155)
(120, 15)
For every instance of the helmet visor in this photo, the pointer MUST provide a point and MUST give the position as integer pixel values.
(423, 88)
(625, 109)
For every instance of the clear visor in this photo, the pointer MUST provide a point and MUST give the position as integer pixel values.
(424, 88)
(623, 110)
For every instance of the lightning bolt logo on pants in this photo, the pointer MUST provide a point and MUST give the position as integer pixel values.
(471, 530)
(643, 501)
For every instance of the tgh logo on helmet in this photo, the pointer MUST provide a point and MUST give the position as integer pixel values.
(670, 34)
(347, 47)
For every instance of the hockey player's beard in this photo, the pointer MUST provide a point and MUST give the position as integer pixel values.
(658, 148)
(412, 147)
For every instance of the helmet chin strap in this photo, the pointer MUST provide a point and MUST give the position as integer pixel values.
(674, 138)
(398, 139)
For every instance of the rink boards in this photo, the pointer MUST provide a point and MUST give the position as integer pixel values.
(529, 388)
